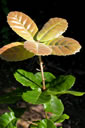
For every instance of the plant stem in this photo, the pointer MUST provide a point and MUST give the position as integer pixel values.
(46, 115)
(43, 79)
(42, 73)
(30, 122)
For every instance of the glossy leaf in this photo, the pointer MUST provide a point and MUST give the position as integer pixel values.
(52, 29)
(63, 46)
(62, 118)
(8, 120)
(53, 91)
(49, 77)
(12, 97)
(27, 79)
(15, 52)
(35, 97)
(62, 82)
(22, 24)
(43, 98)
(54, 106)
(46, 123)
(31, 96)
(37, 48)
(75, 93)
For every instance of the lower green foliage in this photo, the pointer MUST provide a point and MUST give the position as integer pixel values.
(8, 120)
(34, 94)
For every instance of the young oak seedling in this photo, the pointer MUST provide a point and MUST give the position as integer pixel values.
(45, 88)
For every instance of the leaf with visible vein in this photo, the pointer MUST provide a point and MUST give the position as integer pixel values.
(27, 79)
(52, 29)
(63, 46)
(37, 48)
(22, 24)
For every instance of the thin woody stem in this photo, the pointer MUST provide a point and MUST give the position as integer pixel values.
(43, 79)
(42, 73)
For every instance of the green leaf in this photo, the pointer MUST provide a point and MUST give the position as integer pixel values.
(46, 123)
(8, 120)
(75, 93)
(43, 98)
(32, 126)
(12, 97)
(54, 106)
(49, 77)
(27, 79)
(36, 96)
(53, 91)
(62, 118)
(62, 82)
(31, 96)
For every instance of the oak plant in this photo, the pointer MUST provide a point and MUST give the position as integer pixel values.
(42, 87)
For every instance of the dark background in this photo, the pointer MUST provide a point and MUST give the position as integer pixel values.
(40, 12)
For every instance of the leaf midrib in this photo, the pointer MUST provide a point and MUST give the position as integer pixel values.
(45, 33)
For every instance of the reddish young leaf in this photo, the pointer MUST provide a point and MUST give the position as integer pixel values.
(15, 52)
(22, 24)
(52, 29)
(37, 48)
(63, 46)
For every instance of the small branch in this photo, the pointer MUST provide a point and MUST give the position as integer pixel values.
(42, 73)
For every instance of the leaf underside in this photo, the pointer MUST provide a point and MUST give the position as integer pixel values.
(15, 52)
(37, 48)
(22, 24)
(52, 29)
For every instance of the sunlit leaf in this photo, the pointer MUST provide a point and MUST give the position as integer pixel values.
(63, 82)
(37, 48)
(31, 96)
(63, 46)
(62, 118)
(52, 29)
(27, 79)
(59, 119)
(35, 96)
(8, 120)
(46, 123)
(53, 91)
(22, 24)
(54, 106)
(15, 52)
(75, 93)
(49, 77)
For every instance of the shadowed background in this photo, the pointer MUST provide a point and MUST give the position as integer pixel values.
(40, 12)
